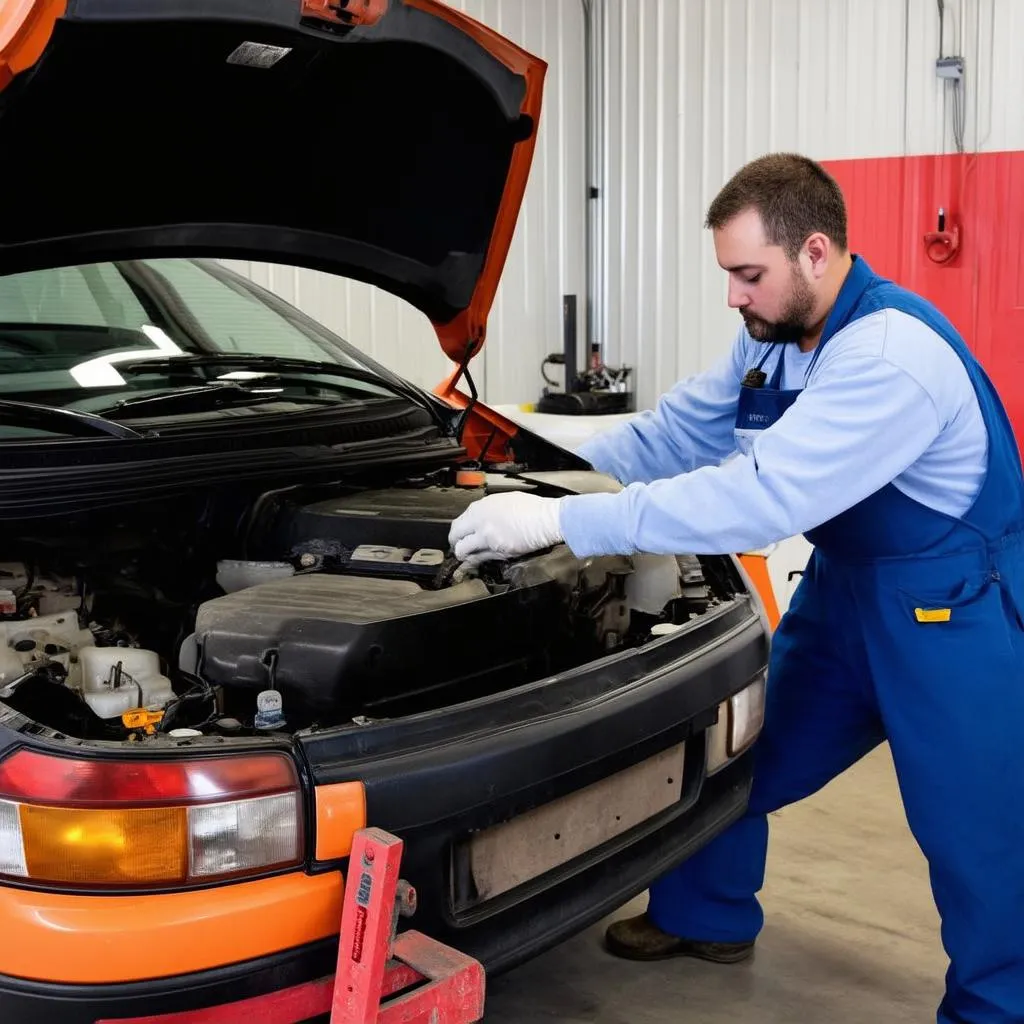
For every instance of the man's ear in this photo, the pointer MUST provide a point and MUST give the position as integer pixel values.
(817, 250)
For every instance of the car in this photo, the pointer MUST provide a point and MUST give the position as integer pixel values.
(232, 631)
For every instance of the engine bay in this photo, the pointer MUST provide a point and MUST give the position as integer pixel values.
(237, 614)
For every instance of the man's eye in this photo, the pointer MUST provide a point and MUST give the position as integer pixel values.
(753, 279)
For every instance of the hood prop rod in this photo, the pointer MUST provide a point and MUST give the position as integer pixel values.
(473, 394)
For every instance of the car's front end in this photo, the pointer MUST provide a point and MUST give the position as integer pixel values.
(231, 630)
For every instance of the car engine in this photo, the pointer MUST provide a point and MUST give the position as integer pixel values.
(313, 606)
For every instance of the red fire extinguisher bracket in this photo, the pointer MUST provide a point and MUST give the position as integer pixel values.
(942, 245)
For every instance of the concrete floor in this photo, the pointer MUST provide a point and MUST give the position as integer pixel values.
(851, 934)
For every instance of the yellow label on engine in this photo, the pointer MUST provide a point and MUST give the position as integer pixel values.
(933, 614)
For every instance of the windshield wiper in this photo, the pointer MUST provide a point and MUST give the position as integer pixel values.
(68, 421)
(279, 366)
(206, 397)
(271, 364)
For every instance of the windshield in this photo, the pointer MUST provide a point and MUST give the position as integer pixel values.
(73, 337)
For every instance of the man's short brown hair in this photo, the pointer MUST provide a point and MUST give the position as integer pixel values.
(795, 197)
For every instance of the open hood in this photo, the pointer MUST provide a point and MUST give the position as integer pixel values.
(385, 140)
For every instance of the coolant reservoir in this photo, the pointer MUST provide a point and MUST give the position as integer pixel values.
(654, 583)
(114, 700)
(46, 638)
(138, 684)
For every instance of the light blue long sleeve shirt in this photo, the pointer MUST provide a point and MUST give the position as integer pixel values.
(888, 401)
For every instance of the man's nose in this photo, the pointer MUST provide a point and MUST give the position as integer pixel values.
(738, 298)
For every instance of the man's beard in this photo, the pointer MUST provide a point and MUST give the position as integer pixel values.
(795, 318)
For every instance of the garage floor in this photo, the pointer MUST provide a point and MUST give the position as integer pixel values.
(851, 935)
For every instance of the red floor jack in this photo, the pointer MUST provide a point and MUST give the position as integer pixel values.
(382, 977)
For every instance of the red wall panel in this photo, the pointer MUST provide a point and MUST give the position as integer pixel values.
(893, 202)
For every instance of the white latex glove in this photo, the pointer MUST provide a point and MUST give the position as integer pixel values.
(504, 526)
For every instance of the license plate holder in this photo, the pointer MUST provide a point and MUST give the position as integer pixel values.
(503, 857)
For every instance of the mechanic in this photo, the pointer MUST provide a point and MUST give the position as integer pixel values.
(851, 411)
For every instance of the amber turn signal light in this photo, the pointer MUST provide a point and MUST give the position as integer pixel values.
(132, 823)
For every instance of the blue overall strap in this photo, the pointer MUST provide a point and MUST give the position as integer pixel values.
(765, 355)
(775, 384)
(1000, 505)
(859, 278)
(776, 378)
(890, 524)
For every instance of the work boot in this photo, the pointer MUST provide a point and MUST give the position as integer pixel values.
(638, 938)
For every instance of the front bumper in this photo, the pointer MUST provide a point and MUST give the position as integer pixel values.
(440, 779)
(272, 989)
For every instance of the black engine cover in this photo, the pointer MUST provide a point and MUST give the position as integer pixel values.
(339, 645)
(406, 517)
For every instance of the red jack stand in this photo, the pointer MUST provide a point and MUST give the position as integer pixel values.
(384, 978)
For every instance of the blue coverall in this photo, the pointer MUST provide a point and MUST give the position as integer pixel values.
(908, 626)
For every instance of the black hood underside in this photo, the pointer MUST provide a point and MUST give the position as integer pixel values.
(380, 152)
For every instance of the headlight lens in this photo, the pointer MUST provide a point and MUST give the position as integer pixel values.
(124, 824)
(740, 720)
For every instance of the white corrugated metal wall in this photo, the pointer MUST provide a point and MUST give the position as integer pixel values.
(547, 258)
(692, 90)
(695, 88)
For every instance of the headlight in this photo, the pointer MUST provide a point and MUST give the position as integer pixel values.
(740, 720)
(127, 824)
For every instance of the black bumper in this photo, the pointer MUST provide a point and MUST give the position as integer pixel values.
(577, 903)
(437, 780)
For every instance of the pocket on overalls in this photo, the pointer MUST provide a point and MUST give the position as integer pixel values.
(958, 632)
(963, 598)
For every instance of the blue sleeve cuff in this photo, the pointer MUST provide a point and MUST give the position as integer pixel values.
(594, 524)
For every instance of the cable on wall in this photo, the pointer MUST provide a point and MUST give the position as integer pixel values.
(951, 70)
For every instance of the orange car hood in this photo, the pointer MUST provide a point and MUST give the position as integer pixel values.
(384, 140)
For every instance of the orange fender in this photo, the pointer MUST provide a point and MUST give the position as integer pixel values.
(25, 29)
(756, 567)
